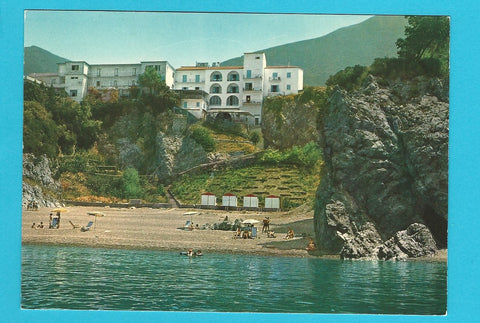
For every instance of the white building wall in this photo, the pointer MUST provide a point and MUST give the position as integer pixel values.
(187, 79)
(197, 107)
(223, 83)
(113, 76)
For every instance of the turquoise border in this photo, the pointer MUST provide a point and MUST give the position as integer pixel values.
(463, 291)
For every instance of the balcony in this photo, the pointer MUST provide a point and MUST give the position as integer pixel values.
(191, 80)
(251, 77)
(251, 89)
(251, 103)
(274, 79)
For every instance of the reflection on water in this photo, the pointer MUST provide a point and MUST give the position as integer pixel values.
(86, 278)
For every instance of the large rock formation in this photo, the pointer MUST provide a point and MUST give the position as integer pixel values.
(38, 184)
(384, 191)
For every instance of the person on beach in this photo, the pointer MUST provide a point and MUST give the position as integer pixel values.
(238, 233)
(266, 224)
(34, 226)
(40, 226)
(311, 246)
(50, 226)
(198, 253)
(271, 234)
(191, 227)
(190, 252)
(58, 220)
(290, 234)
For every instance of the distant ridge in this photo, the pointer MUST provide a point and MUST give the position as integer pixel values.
(39, 60)
(348, 46)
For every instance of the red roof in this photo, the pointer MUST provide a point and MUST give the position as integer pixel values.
(272, 196)
(228, 194)
(208, 193)
(250, 195)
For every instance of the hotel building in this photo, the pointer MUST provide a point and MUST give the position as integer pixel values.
(230, 92)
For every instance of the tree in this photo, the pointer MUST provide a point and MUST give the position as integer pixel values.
(151, 80)
(131, 183)
(39, 130)
(426, 36)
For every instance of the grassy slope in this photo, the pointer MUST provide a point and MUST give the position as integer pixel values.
(298, 185)
(348, 46)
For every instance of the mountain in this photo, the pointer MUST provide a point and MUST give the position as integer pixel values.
(38, 60)
(324, 56)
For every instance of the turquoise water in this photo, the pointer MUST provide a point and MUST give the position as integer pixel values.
(108, 279)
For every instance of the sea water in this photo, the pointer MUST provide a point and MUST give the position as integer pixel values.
(110, 279)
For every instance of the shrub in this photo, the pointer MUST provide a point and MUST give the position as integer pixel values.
(204, 137)
(349, 79)
(254, 137)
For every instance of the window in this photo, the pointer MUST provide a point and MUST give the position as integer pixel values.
(215, 100)
(73, 93)
(184, 78)
(99, 71)
(249, 74)
(185, 88)
(216, 89)
(216, 76)
(197, 78)
(185, 104)
(115, 83)
(248, 87)
(275, 76)
(133, 83)
(288, 87)
(116, 72)
(198, 104)
(274, 88)
(232, 100)
(98, 83)
(134, 71)
(75, 67)
(74, 78)
(248, 98)
(289, 75)
(197, 88)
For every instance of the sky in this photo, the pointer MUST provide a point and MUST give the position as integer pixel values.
(101, 37)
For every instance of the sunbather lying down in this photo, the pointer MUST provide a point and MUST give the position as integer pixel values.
(87, 227)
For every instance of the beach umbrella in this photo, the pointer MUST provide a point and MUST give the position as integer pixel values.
(96, 214)
(250, 221)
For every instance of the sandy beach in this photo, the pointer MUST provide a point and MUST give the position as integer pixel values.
(163, 229)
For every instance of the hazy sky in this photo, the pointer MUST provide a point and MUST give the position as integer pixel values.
(100, 37)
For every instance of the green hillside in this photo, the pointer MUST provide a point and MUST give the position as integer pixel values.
(348, 46)
(295, 186)
(38, 60)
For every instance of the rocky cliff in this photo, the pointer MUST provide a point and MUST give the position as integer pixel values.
(38, 184)
(384, 191)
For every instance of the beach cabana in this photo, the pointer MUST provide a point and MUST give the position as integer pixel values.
(229, 199)
(250, 200)
(272, 202)
(208, 199)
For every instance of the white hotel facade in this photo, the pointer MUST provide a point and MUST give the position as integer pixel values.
(232, 92)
